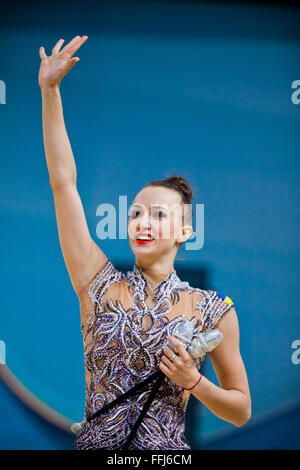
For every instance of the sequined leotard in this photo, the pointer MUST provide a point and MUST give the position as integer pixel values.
(124, 332)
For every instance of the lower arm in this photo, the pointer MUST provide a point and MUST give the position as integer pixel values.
(59, 155)
(230, 405)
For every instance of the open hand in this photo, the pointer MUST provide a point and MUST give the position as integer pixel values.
(54, 67)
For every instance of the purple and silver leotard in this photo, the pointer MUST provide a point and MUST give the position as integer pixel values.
(124, 332)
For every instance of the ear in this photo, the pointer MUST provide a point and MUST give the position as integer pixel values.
(186, 232)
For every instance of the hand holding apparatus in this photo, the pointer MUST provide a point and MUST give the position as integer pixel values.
(196, 344)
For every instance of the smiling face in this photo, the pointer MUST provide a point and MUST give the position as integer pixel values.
(157, 211)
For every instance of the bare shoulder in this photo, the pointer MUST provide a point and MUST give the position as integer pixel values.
(228, 325)
(226, 357)
(229, 322)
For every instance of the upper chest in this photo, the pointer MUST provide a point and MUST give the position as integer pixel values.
(148, 312)
(132, 325)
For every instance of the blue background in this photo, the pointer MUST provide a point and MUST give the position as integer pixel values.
(201, 90)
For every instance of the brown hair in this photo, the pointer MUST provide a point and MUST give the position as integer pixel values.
(182, 186)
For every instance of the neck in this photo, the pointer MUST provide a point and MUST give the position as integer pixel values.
(155, 274)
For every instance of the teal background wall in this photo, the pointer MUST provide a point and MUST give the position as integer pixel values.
(199, 89)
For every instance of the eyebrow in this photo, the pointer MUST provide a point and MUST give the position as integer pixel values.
(152, 205)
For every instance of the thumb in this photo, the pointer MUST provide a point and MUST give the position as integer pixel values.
(71, 63)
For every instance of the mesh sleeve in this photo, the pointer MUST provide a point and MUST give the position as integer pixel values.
(219, 305)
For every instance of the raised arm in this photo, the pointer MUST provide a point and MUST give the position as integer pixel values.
(81, 254)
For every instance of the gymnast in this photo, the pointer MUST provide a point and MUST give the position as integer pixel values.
(128, 320)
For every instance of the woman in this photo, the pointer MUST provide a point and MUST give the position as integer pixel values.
(127, 320)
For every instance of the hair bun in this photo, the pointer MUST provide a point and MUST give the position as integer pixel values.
(181, 184)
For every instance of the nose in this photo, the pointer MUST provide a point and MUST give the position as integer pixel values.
(143, 223)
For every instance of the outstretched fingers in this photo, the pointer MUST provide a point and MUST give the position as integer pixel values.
(74, 45)
(69, 49)
(57, 46)
(42, 53)
(70, 44)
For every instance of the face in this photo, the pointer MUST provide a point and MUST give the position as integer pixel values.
(157, 211)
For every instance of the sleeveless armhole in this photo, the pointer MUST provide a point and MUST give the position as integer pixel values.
(220, 304)
(105, 276)
(91, 296)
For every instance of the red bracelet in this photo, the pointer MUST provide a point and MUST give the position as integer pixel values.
(181, 390)
(195, 383)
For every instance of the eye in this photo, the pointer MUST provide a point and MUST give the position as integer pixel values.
(134, 213)
(160, 212)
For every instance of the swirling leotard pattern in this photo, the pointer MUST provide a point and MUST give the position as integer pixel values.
(124, 337)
